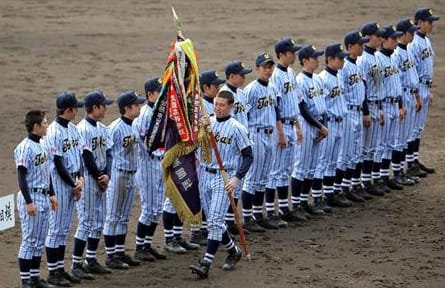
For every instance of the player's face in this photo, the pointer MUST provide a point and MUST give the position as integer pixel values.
(222, 107)
(132, 111)
(265, 72)
(153, 96)
(407, 37)
(356, 49)
(391, 43)
(339, 62)
(311, 64)
(426, 26)
(211, 90)
(40, 129)
(99, 111)
(374, 41)
(237, 80)
(289, 58)
(71, 113)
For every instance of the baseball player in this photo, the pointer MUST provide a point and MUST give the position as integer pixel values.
(284, 79)
(424, 60)
(372, 75)
(235, 149)
(148, 179)
(263, 115)
(31, 160)
(210, 83)
(91, 206)
(411, 98)
(335, 113)
(65, 153)
(121, 189)
(356, 117)
(235, 78)
(392, 104)
(312, 113)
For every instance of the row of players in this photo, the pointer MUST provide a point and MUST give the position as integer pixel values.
(368, 108)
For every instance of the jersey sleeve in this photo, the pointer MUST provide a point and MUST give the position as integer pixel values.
(22, 157)
(54, 142)
(242, 140)
(86, 137)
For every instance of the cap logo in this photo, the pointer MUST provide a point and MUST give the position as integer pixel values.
(377, 25)
(159, 81)
(341, 47)
(216, 74)
(430, 11)
(360, 34)
(313, 47)
(242, 65)
(411, 22)
(393, 27)
(292, 41)
(266, 56)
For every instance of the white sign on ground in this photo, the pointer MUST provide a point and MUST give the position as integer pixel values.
(7, 217)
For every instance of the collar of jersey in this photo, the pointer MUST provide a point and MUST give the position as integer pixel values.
(223, 119)
(352, 60)
(370, 50)
(281, 67)
(126, 120)
(150, 104)
(386, 52)
(208, 99)
(331, 71)
(403, 46)
(262, 82)
(308, 74)
(62, 121)
(231, 87)
(34, 137)
(420, 34)
(91, 121)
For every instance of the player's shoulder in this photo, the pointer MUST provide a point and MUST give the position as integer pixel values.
(23, 145)
(115, 123)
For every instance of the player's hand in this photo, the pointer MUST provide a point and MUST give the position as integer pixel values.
(430, 98)
(300, 136)
(322, 133)
(31, 209)
(402, 113)
(102, 181)
(231, 184)
(282, 140)
(205, 121)
(381, 118)
(76, 190)
(367, 121)
(54, 202)
(418, 104)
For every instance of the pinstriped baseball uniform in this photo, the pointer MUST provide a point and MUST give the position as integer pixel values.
(409, 81)
(67, 143)
(372, 74)
(423, 53)
(353, 124)
(33, 155)
(336, 111)
(312, 89)
(240, 107)
(91, 206)
(261, 97)
(284, 79)
(208, 106)
(231, 138)
(392, 91)
(121, 189)
(149, 172)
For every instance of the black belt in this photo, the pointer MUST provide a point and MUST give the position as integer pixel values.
(211, 170)
(391, 100)
(355, 107)
(75, 175)
(44, 191)
(288, 121)
(374, 102)
(411, 90)
(126, 171)
(335, 119)
(156, 157)
(428, 82)
(267, 131)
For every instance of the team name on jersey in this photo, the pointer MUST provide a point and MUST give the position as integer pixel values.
(40, 159)
(426, 53)
(336, 91)
(354, 79)
(374, 70)
(406, 65)
(288, 87)
(69, 143)
(390, 70)
(98, 142)
(129, 140)
(238, 108)
(264, 102)
(223, 139)
(314, 92)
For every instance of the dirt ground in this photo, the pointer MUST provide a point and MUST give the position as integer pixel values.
(47, 46)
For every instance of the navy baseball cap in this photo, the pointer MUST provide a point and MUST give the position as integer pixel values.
(309, 51)
(68, 100)
(263, 58)
(371, 28)
(286, 44)
(97, 97)
(355, 37)
(128, 98)
(335, 50)
(389, 31)
(425, 14)
(210, 77)
(406, 25)
(237, 67)
(153, 84)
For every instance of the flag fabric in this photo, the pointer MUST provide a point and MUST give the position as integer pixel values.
(175, 126)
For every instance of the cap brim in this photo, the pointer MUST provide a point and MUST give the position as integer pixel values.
(317, 53)
(245, 71)
(218, 81)
(396, 34)
(79, 104)
(139, 100)
(108, 101)
(379, 32)
(266, 61)
(342, 54)
(296, 48)
(433, 18)
(413, 28)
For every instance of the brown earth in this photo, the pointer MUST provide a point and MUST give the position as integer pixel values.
(49, 46)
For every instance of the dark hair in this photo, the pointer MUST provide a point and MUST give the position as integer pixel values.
(33, 117)
(122, 110)
(60, 111)
(226, 95)
(89, 109)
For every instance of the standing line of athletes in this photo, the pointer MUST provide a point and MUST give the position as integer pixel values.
(334, 135)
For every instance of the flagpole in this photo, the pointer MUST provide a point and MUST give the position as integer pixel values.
(238, 222)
